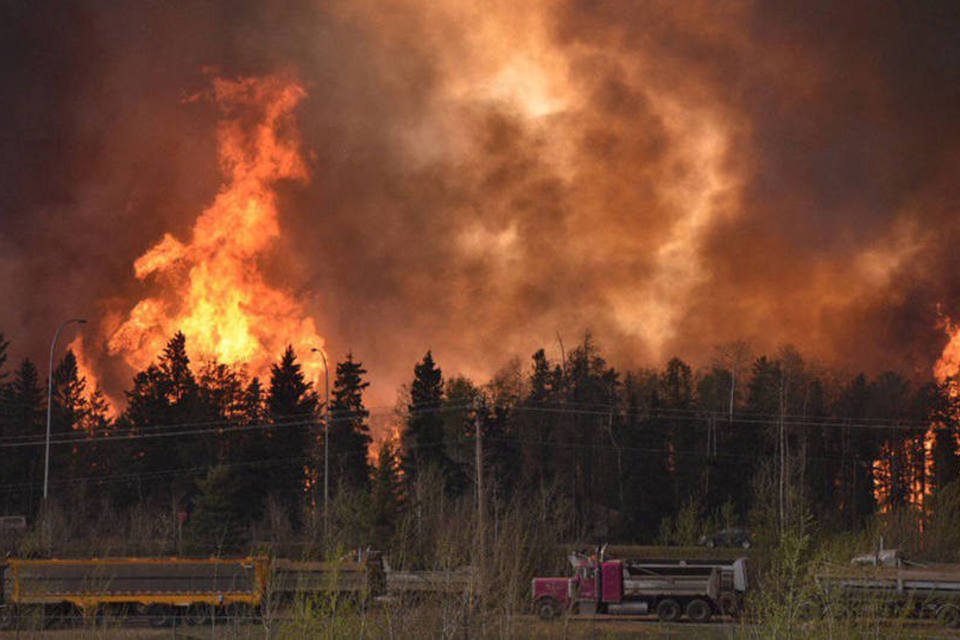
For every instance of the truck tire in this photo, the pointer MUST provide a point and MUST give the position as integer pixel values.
(948, 615)
(160, 616)
(809, 610)
(8, 617)
(548, 608)
(729, 605)
(668, 610)
(699, 610)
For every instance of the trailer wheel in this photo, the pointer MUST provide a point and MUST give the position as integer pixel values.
(160, 616)
(948, 615)
(809, 610)
(8, 616)
(668, 610)
(548, 608)
(197, 614)
(699, 610)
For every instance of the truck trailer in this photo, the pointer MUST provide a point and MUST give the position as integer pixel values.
(891, 582)
(671, 588)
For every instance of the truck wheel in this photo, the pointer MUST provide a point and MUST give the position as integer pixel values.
(729, 605)
(699, 610)
(7, 617)
(160, 616)
(949, 616)
(197, 614)
(548, 608)
(809, 610)
(668, 610)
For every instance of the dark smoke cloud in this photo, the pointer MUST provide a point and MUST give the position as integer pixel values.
(669, 175)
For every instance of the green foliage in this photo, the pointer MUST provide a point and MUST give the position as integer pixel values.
(423, 441)
(349, 432)
(291, 409)
(217, 522)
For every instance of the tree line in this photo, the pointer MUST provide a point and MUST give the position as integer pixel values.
(630, 455)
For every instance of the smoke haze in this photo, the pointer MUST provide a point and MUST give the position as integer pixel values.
(483, 175)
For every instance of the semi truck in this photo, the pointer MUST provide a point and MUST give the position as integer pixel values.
(670, 588)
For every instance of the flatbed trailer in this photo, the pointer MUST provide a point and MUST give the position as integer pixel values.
(927, 591)
(158, 587)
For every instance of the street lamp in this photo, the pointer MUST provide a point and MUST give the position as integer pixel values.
(53, 346)
(326, 443)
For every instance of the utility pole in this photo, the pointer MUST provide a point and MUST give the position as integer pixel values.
(46, 456)
(326, 445)
(481, 495)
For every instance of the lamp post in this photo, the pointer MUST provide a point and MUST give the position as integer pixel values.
(326, 443)
(53, 346)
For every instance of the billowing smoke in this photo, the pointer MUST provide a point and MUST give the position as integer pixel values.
(485, 175)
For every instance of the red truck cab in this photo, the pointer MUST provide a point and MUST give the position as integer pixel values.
(669, 588)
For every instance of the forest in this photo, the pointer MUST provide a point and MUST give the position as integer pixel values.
(645, 456)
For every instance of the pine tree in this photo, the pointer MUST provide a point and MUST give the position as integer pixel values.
(423, 439)
(291, 407)
(25, 400)
(68, 415)
(69, 402)
(250, 449)
(165, 396)
(385, 493)
(4, 345)
(349, 433)
(218, 519)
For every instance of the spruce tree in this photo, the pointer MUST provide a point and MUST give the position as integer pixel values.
(349, 433)
(69, 411)
(291, 407)
(423, 439)
(165, 396)
(385, 493)
(218, 520)
(25, 400)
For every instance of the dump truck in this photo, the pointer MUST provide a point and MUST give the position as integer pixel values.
(670, 588)
(889, 581)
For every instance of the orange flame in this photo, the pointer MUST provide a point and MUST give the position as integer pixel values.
(87, 373)
(947, 368)
(211, 287)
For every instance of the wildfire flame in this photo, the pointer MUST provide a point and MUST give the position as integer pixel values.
(947, 368)
(211, 287)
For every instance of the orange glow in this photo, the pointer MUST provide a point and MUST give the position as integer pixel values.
(948, 366)
(210, 286)
(945, 372)
(87, 373)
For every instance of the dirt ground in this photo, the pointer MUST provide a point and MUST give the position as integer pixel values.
(573, 628)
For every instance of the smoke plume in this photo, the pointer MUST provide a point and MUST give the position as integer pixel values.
(484, 175)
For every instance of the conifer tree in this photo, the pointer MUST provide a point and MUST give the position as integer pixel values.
(385, 493)
(291, 407)
(423, 439)
(165, 396)
(25, 400)
(218, 520)
(349, 433)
